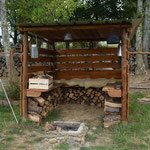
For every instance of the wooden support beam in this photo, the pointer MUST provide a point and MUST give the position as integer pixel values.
(75, 27)
(128, 90)
(124, 76)
(21, 78)
(25, 64)
(141, 53)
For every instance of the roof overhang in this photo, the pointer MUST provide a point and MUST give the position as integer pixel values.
(81, 31)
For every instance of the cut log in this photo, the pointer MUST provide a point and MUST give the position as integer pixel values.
(114, 93)
(111, 109)
(111, 118)
(110, 104)
(35, 118)
(34, 109)
(33, 94)
(40, 100)
(32, 113)
(32, 102)
(101, 97)
(108, 124)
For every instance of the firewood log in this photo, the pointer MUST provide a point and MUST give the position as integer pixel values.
(40, 100)
(49, 98)
(111, 109)
(92, 104)
(101, 97)
(110, 118)
(32, 102)
(34, 109)
(99, 105)
(35, 118)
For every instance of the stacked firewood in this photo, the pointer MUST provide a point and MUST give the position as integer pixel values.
(90, 96)
(112, 111)
(39, 107)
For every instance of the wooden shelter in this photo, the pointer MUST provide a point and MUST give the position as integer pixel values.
(61, 69)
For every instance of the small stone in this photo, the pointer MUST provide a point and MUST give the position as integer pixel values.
(78, 139)
(46, 127)
(94, 128)
(58, 129)
(60, 138)
(82, 141)
(52, 141)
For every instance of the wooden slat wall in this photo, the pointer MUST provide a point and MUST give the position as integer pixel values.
(45, 56)
(88, 74)
(87, 63)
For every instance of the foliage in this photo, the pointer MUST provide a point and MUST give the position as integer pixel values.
(62, 146)
(106, 9)
(12, 89)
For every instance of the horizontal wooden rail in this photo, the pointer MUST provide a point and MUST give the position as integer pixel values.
(68, 75)
(39, 68)
(104, 50)
(46, 51)
(87, 58)
(86, 65)
(40, 59)
(142, 53)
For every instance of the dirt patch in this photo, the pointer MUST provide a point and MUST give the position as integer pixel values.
(81, 113)
(140, 80)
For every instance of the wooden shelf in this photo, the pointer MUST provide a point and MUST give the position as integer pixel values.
(37, 92)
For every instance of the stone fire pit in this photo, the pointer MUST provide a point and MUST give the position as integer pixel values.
(68, 132)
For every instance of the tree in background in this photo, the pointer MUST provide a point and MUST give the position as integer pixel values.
(146, 32)
(106, 9)
(5, 34)
(140, 69)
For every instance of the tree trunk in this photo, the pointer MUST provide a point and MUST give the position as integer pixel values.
(140, 69)
(146, 35)
(5, 34)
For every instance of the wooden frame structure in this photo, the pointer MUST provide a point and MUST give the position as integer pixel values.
(61, 66)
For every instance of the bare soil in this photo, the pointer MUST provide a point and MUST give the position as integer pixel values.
(81, 113)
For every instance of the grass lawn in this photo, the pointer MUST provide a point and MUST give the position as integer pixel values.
(134, 135)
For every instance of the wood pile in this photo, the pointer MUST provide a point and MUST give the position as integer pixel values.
(145, 100)
(78, 95)
(3, 67)
(39, 107)
(112, 111)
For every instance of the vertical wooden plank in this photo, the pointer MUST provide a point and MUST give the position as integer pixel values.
(124, 75)
(25, 54)
(128, 57)
(54, 61)
(21, 57)
(127, 91)
(11, 63)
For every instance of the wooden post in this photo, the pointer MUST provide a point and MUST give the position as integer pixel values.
(25, 64)
(128, 46)
(124, 76)
(11, 63)
(21, 71)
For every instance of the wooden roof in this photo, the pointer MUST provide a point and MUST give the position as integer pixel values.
(81, 31)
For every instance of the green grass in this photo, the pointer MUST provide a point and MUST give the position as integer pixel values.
(54, 115)
(89, 137)
(62, 146)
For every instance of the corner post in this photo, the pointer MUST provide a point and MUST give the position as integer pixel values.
(25, 64)
(124, 76)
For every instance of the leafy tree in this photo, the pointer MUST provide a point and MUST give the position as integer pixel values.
(106, 9)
